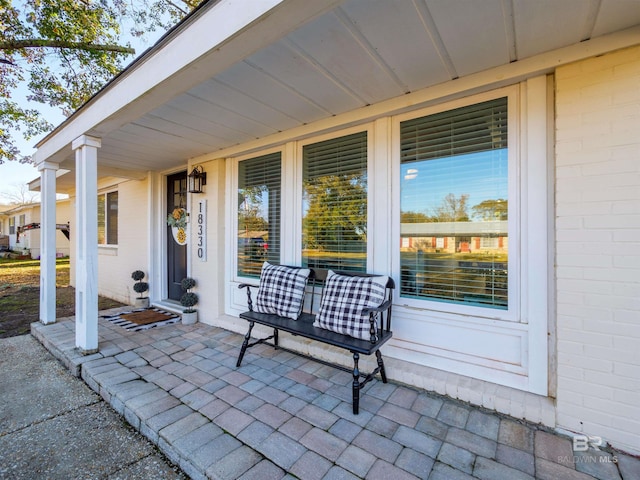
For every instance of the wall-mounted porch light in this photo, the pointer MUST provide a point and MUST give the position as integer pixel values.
(197, 178)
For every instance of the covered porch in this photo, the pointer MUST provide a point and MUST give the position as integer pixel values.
(228, 81)
(280, 415)
(236, 83)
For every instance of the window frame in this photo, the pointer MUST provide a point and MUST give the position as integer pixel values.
(233, 190)
(236, 210)
(512, 313)
(299, 164)
(341, 135)
(106, 194)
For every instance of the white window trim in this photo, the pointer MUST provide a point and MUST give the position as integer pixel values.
(297, 239)
(511, 314)
(524, 326)
(232, 176)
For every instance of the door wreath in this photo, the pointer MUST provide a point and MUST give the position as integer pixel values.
(177, 220)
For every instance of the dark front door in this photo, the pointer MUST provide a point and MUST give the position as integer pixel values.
(176, 253)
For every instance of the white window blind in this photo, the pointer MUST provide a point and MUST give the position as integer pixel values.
(259, 192)
(454, 205)
(334, 225)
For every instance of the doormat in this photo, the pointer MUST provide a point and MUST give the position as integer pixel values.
(144, 319)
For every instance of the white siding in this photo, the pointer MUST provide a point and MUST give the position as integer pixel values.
(209, 274)
(115, 264)
(598, 245)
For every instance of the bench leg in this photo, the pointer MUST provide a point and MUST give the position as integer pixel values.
(383, 374)
(245, 344)
(275, 338)
(356, 384)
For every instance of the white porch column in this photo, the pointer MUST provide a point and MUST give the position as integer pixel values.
(86, 228)
(48, 242)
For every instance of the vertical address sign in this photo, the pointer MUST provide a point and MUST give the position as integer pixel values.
(201, 230)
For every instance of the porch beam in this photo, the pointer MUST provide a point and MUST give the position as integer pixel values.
(48, 242)
(86, 264)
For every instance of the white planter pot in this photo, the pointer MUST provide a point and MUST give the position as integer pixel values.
(189, 318)
(142, 302)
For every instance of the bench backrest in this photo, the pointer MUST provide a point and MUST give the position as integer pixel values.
(315, 290)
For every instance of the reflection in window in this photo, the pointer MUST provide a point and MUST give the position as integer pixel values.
(258, 213)
(108, 218)
(334, 223)
(454, 206)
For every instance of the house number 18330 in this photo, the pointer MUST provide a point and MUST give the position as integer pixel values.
(201, 230)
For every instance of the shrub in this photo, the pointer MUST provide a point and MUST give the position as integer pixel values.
(189, 299)
(139, 287)
(187, 283)
(137, 275)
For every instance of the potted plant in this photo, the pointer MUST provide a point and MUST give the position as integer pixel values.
(188, 300)
(140, 287)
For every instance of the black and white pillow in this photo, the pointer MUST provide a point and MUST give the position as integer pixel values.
(343, 300)
(281, 290)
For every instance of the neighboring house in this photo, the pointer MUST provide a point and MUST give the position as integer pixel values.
(21, 225)
(502, 135)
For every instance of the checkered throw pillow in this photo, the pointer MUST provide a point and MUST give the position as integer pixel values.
(281, 290)
(343, 300)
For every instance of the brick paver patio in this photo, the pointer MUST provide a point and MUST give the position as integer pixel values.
(282, 416)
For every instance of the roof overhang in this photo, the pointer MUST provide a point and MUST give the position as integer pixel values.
(229, 78)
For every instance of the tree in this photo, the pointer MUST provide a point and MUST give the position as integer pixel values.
(453, 209)
(63, 52)
(491, 210)
(20, 196)
(415, 217)
(336, 213)
(250, 217)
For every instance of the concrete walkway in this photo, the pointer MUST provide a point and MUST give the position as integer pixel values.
(281, 416)
(52, 426)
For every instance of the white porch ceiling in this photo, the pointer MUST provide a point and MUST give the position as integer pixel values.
(360, 53)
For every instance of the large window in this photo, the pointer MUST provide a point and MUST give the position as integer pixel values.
(259, 195)
(108, 218)
(334, 203)
(454, 206)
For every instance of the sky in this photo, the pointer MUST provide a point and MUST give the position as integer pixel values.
(14, 174)
(481, 175)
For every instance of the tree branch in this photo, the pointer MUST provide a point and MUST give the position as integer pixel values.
(44, 43)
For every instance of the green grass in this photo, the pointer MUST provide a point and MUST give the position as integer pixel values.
(15, 262)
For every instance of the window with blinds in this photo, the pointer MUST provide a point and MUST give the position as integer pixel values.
(334, 223)
(259, 192)
(454, 206)
(108, 218)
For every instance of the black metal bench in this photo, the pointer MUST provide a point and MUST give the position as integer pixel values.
(379, 318)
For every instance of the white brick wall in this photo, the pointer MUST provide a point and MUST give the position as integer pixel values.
(115, 264)
(598, 247)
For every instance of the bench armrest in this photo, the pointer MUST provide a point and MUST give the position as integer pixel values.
(374, 313)
(248, 287)
(385, 306)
